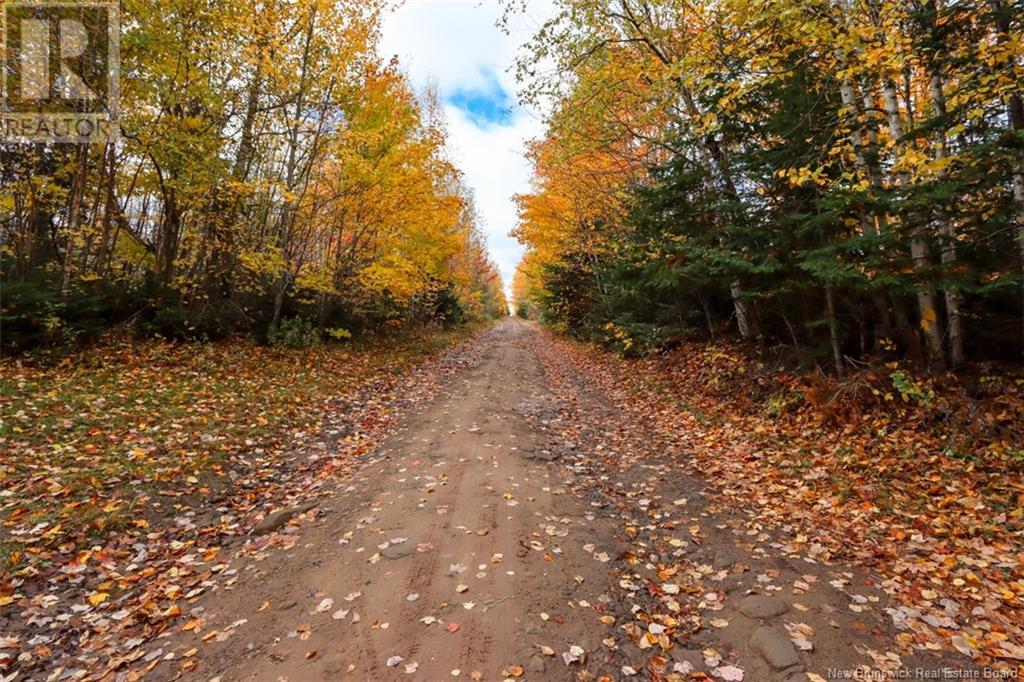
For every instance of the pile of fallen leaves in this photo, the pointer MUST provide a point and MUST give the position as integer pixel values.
(129, 468)
(919, 481)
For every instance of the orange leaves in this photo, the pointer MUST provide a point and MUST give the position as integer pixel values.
(191, 625)
(594, 149)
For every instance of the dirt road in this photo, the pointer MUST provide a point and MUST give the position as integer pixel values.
(503, 532)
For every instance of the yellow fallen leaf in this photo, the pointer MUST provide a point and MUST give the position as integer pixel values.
(98, 598)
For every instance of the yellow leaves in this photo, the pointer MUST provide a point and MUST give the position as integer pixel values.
(394, 274)
(316, 278)
(98, 598)
(262, 262)
(928, 319)
(798, 177)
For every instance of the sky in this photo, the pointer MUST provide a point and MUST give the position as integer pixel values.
(455, 45)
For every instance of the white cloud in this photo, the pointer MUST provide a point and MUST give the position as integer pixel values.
(456, 44)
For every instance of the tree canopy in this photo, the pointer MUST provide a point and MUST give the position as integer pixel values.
(843, 177)
(273, 170)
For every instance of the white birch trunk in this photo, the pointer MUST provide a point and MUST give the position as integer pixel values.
(918, 246)
(948, 235)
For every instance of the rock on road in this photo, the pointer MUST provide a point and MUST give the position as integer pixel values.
(471, 544)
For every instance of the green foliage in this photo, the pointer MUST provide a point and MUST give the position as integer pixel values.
(296, 332)
(781, 402)
(34, 314)
(909, 390)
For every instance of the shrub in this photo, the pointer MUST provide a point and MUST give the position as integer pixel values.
(908, 389)
(296, 332)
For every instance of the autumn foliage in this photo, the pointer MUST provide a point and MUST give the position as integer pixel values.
(274, 173)
(843, 178)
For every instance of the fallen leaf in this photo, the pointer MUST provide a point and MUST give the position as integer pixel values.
(730, 673)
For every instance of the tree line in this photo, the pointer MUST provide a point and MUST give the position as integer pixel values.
(842, 176)
(274, 176)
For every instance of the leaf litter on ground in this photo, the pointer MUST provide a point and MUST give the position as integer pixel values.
(132, 466)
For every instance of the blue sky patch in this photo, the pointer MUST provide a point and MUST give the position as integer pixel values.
(486, 106)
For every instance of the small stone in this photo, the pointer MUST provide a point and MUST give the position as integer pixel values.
(279, 518)
(774, 647)
(692, 656)
(731, 583)
(397, 551)
(536, 664)
(543, 454)
(763, 606)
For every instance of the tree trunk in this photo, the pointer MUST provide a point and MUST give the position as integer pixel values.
(833, 330)
(109, 181)
(167, 242)
(291, 179)
(907, 332)
(707, 315)
(282, 287)
(75, 199)
(860, 146)
(40, 215)
(720, 164)
(743, 319)
(948, 235)
(927, 310)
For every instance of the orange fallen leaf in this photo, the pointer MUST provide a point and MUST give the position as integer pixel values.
(193, 624)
